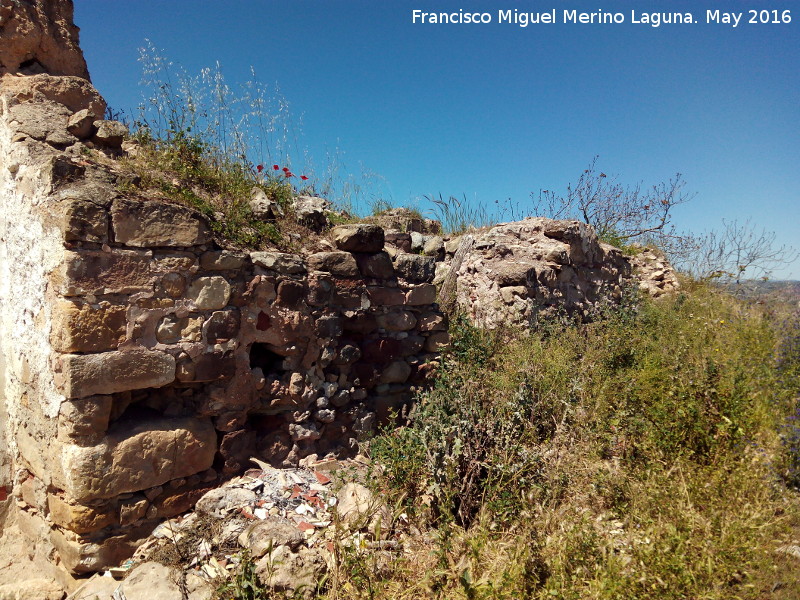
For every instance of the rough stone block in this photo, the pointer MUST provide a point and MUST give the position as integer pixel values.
(78, 517)
(222, 260)
(414, 268)
(110, 133)
(83, 375)
(84, 418)
(98, 272)
(82, 220)
(154, 223)
(377, 266)
(437, 341)
(359, 237)
(280, 262)
(79, 327)
(81, 124)
(209, 293)
(397, 320)
(138, 457)
(432, 322)
(386, 296)
(421, 295)
(336, 263)
(86, 555)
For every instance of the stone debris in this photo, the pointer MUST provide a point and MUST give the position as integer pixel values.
(287, 521)
(656, 276)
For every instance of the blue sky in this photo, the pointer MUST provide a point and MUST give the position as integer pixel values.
(497, 111)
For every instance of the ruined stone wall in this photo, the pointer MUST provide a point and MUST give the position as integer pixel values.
(145, 363)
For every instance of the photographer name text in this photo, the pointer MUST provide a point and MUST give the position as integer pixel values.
(601, 17)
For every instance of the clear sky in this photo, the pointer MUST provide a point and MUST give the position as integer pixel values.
(496, 111)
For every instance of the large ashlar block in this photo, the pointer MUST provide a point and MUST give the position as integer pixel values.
(153, 223)
(137, 457)
(85, 328)
(99, 272)
(84, 375)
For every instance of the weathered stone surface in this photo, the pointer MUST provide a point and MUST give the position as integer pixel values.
(397, 320)
(109, 372)
(222, 260)
(98, 272)
(32, 589)
(421, 294)
(82, 220)
(436, 341)
(81, 124)
(220, 501)
(78, 517)
(312, 212)
(85, 555)
(152, 581)
(154, 223)
(264, 208)
(396, 372)
(110, 133)
(85, 417)
(209, 293)
(297, 572)
(336, 263)
(138, 456)
(434, 246)
(414, 268)
(79, 327)
(432, 322)
(359, 237)
(270, 533)
(40, 37)
(377, 266)
(280, 262)
(222, 326)
(386, 296)
(514, 273)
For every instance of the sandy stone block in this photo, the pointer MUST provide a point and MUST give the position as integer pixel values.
(222, 260)
(78, 517)
(86, 417)
(98, 272)
(280, 262)
(139, 457)
(155, 223)
(81, 327)
(86, 555)
(209, 293)
(82, 220)
(84, 375)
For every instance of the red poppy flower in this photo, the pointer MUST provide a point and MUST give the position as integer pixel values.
(285, 169)
(275, 167)
(259, 168)
(303, 177)
(289, 174)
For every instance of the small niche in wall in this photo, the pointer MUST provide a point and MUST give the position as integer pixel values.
(262, 356)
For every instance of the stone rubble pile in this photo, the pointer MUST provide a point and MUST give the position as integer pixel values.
(290, 522)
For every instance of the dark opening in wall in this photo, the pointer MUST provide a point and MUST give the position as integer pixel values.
(263, 357)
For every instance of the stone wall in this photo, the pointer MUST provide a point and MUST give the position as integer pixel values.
(146, 363)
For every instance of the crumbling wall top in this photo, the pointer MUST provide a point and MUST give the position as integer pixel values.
(38, 36)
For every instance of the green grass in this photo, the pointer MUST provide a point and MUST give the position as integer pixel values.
(637, 456)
